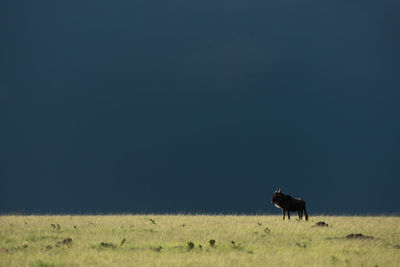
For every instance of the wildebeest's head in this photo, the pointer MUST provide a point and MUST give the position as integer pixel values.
(277, 198)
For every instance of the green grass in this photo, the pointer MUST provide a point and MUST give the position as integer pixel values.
(174, 240)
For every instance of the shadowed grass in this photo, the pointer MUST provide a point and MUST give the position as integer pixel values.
(201, 240)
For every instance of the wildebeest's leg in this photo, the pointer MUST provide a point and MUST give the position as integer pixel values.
(299, 213)
(305, 211)
(283, 213)
(288, 215)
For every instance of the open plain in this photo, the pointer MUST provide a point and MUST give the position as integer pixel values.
(198, 240)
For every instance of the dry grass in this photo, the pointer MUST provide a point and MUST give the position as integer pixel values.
(183, 240)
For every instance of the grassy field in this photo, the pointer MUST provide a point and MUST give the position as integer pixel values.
(184, 240)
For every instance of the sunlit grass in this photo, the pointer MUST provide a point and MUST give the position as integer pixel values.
(184, 240)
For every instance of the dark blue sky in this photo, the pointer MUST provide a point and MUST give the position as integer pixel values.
(199, 106)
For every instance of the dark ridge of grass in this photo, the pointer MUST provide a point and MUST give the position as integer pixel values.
(40, 263)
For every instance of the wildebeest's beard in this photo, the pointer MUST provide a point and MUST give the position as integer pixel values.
(277, 199)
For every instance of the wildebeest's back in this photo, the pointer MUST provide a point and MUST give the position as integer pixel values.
(294, 204)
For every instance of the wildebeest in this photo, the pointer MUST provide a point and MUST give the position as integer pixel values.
(288, 204)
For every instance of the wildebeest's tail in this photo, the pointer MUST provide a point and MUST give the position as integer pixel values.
(305, 211)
